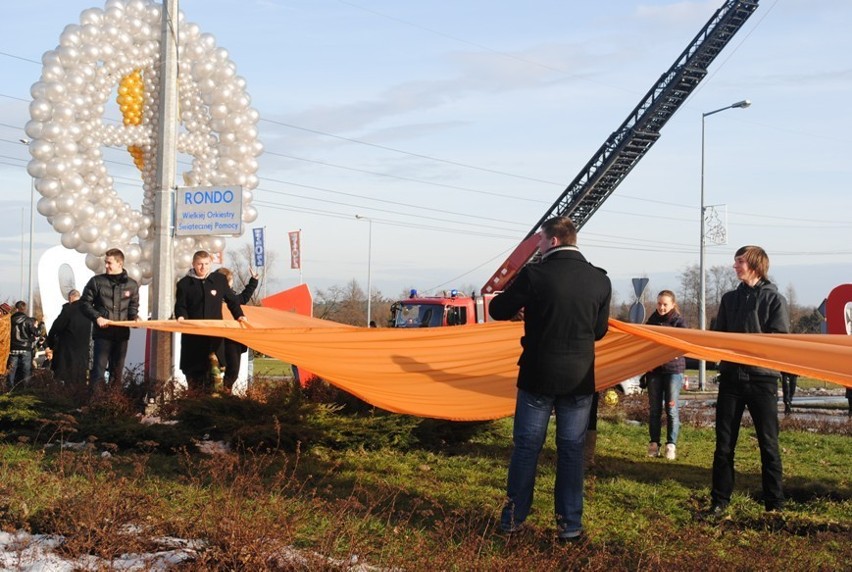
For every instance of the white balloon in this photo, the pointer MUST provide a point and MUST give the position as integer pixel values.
(64, 223)
(41, 110)
(70, 239)
(67, 130)
(132, 254)
(46, 206)
(94, 263)
(65, 202)
(89, 232)
(134, 272)
(48, 187)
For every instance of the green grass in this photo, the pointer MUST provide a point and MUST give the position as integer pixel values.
(265, 366)
(405, 494)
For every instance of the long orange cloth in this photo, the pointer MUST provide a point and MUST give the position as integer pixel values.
(468, 373)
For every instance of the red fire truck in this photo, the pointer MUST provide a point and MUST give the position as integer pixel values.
(598, 179)
(449, 308)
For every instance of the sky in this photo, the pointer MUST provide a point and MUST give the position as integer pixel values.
(452, 127)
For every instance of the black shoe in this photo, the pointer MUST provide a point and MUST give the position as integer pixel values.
(513, 529)
(572, 538)
(788, 409)
(716, 510)
(774, 507)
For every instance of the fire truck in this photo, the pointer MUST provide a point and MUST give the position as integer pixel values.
(598, 178)
(449, 308)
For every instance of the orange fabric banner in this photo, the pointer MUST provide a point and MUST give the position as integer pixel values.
(468, 373)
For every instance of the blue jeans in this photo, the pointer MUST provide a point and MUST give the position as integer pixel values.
(107, 355)
(664, 388)
(761, 398)
(532, 415)
(19, 368)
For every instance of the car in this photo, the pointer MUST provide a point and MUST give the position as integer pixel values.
(630, 386)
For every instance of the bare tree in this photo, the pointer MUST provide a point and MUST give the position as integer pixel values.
(344, 304)
(718, 280)
(810, 321)
(241, 261)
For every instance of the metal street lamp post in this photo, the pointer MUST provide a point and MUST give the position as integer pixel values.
(32, 224)
(702, 306)
(369, 265)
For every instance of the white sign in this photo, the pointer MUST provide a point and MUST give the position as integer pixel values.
(209, 210)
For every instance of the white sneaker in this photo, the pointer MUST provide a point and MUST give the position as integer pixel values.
(671, 451)
(653, 450)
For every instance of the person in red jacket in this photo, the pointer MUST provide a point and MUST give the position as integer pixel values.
(565, 302)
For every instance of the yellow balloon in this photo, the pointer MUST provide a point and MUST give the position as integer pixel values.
(131, 99)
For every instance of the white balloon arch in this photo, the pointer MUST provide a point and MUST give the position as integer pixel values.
(118, 47)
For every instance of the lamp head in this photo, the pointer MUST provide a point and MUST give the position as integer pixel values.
(742, 104)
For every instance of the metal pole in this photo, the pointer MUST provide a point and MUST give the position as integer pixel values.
(702, 310)
(160, 362)
(369, 272)
(32, 225)
(369, 266)
(702, 302)
(23, 214)
(30, 270)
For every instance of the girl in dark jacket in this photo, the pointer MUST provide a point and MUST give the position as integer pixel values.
(664, 382)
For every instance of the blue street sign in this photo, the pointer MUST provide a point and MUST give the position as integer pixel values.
(258, 247)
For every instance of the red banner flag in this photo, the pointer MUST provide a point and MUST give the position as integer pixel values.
(295, 249)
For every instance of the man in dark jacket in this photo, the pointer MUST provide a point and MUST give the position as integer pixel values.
(199, 296)
(68, 341)
(107, 298)
(565, 302)
(754, 307)
(23, 332)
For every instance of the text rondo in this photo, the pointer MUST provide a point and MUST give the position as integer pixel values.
(208, 210)
(208, 196)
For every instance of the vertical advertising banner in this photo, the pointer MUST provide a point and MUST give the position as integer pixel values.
(295, 249)
(258, 247)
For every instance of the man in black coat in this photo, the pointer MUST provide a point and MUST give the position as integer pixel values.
(199, 296)
(23, 333)
(565, 302)
(109, 297)
(68, 340)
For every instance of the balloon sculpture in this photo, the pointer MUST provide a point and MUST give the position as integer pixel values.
(118, 48)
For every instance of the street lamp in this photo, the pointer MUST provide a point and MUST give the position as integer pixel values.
(32, 221)
(702, 307)
(369, 264)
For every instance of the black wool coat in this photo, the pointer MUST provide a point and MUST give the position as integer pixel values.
(69, 339)
(566, 310)
(201, 299)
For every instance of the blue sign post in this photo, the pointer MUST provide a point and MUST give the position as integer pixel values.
(258, 247)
